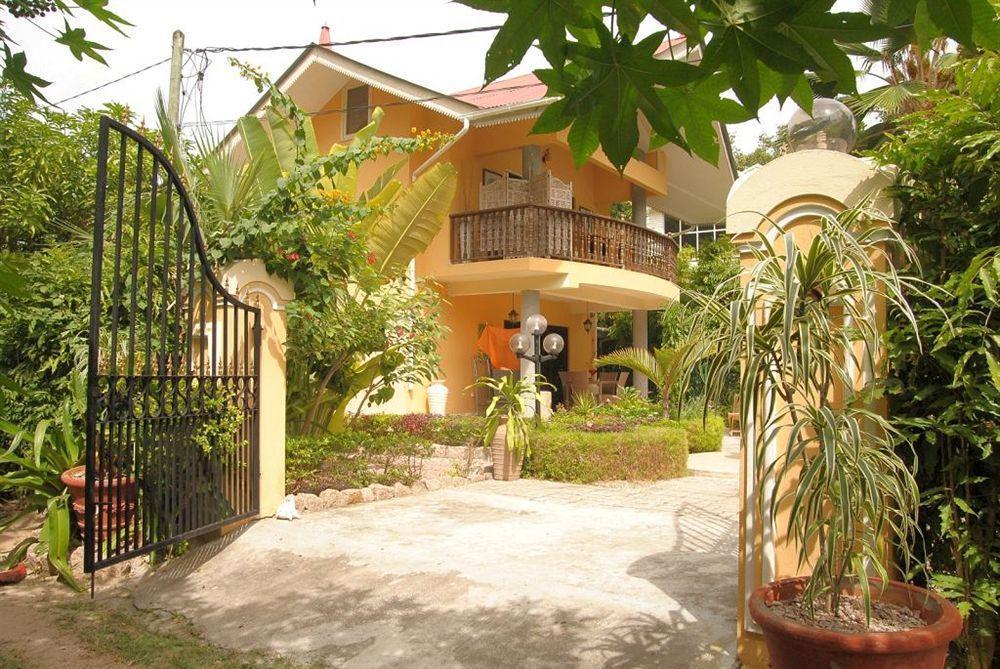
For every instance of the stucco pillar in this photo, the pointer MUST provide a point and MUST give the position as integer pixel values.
(249, 281)
(531, 304)
(531, 160)
(640, 339)
(638, 198)
(794, 191)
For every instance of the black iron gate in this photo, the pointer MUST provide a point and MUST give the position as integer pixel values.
(173, 380)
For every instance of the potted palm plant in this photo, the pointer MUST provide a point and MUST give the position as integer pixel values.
(507, 432)
(804, 326)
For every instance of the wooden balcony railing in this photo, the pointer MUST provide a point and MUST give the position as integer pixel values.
(529, 230)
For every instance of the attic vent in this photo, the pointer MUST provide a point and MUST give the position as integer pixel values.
(358, 112)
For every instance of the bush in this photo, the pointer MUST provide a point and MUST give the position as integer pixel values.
(704, 436)
(457, 430)
(353, 459)
(645, 453)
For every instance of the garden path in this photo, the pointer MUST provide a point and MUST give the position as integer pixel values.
(495, 574)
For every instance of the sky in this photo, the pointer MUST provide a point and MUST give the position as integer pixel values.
(446, 64)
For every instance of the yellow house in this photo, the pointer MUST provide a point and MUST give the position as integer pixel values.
(529, 232)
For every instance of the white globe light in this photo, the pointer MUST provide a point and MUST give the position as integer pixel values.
(520, 343)
(553, 343)
(831, 126)
(536, 324)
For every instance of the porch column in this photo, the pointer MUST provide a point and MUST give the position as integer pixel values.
(531, 160)
(531, 304)
(638, 197)
(640, 339)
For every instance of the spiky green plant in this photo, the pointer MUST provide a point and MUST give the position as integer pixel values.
(665, 366)
(800, 330)
(509, 406)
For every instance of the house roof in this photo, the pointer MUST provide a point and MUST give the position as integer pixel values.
(528, 88)
(319, 71)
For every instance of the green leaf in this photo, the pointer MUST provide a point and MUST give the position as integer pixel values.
(954, 18)
(23, 82)
(583, 137)
(259, 146)
(417, 217)
(79, 45)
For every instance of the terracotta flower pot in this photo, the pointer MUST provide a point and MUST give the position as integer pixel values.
(116, 498)
(792, 645)
(15, 575)
(506, 467)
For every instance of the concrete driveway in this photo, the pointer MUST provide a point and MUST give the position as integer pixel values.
(495, 574)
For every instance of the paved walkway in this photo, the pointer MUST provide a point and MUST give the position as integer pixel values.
(496, 574)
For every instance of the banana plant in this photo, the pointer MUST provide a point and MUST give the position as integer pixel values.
(50, 449)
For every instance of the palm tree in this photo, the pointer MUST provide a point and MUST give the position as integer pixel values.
(665, 366)
(906, 70)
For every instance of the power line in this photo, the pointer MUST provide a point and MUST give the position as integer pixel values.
(113, 81)
(343, 110)
(353, 42)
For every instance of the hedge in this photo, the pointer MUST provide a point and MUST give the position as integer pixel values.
(704, 437)
(645, 453)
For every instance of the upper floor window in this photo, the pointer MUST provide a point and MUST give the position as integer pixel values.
(358, 110)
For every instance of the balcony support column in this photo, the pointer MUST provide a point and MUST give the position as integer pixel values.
(638, 197)
(640, 339)
(531, 304)
(531, 160)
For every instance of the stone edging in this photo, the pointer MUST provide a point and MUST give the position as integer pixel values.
(332, 499)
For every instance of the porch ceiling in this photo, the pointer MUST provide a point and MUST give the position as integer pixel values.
(604, 288)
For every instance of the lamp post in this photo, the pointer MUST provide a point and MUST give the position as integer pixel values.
(530, 346)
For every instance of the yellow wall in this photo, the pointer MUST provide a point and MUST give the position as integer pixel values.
(498, 148)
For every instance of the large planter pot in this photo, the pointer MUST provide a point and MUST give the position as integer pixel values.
(437, 398)
(792, 645)
(116, 499)
(506, 467)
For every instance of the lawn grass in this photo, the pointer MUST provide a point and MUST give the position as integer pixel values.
(129, 636)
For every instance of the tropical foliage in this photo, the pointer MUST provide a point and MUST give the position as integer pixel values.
(803, 327)
(73, 37)
(945, 395)
(666, 366)
(606, 74)
(358, 326)
(52, 447)
(508, 408)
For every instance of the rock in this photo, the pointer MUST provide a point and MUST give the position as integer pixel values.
(332, 499)
(367, 494)
(306, 502)
(382, 491)
(433, 484)
(401, 490)
(419, 487)
(353, 495)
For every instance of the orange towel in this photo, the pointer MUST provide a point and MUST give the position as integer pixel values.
(494, 342)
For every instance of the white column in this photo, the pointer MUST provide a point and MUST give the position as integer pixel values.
(640, 339)
(531, 304)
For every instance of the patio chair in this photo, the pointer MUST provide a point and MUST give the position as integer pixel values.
(610, 383)
(576, 384)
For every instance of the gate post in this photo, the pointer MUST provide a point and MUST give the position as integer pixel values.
(250, 281)
(794, 191)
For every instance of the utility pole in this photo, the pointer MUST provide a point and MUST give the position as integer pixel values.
(174, 92)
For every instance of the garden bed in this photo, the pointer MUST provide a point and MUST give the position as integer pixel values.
(385, 450)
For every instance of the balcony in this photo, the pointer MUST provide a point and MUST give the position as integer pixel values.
(530, 230)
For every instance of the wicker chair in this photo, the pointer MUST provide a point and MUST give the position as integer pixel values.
(610, 383)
